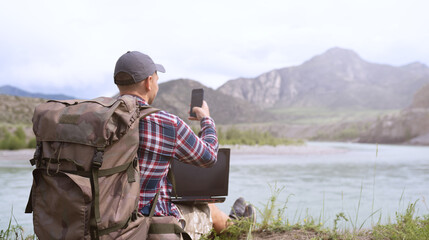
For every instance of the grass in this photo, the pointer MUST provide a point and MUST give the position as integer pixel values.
(273, 225)
(15, 231)
(406, 226)
(232, 135)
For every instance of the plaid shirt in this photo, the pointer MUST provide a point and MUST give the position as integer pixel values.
(164, 136)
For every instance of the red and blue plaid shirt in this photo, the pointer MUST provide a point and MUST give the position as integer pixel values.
(164, 136)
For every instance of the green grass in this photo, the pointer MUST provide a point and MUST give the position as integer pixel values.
(272, 221)
(406, 226)
(251, 137)
(15, 231)
(233, 135)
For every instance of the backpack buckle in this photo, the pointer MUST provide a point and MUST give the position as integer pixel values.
(37, 154)
(97, 160)
(134, 216)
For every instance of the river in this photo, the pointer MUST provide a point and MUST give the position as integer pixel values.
(366, 182)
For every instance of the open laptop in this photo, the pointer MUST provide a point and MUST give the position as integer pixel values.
(201, 185)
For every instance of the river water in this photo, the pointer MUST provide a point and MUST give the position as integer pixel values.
(366, 182)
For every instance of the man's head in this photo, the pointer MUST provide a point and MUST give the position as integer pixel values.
(136, 73)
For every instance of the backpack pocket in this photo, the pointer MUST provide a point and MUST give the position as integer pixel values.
(61, 205)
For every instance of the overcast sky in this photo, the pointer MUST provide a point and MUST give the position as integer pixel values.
(71, 47)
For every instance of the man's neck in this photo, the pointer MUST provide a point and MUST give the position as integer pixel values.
(144, 97)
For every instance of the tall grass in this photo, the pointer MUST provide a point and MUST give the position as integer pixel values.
(407, 226)
(15, 231)
(272, 219)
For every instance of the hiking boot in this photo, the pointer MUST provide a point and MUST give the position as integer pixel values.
(250, 213)
(238, 208)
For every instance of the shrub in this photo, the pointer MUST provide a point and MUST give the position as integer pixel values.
(32, 143)
(19, 132)
(234, 136)
(13, 142)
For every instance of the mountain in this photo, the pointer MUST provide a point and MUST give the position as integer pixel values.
(13, 91)
(338, 78)
(175, 96)
(421, 98)
(411, 125)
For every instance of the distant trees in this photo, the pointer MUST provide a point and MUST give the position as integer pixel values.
(16, 140)
(235, 136)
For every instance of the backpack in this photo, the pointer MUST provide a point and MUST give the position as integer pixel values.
(86, 183)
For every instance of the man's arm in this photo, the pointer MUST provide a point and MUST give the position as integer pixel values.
(200, 151)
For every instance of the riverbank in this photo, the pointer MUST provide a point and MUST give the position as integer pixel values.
(12, 155)
(21, 154)
(283, 149)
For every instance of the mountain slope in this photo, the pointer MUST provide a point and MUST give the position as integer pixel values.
(175, 96)
(13, 91)
(338, 78)
(421, 98)
(411, 125)
(17, 110)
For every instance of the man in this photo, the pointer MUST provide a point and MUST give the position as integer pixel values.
(164, 136)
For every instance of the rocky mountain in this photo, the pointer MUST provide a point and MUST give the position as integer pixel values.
(338, 78)
(411, 125)
(13, 91)
(335, 80)
(175, 96)
(421, 98)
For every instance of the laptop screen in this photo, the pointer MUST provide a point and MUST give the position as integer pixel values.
(196, 181)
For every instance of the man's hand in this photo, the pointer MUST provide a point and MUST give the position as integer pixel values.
(201, 112)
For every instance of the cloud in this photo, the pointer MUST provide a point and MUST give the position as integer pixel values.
(71, 47)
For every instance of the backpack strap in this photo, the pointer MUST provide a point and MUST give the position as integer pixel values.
(97, 161)
(147, 110)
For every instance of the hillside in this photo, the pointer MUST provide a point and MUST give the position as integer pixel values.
(175, 96)
(336, 79)
(421, 98)
(13, 91)
(17, 110)
(410, 126)
(335, 96)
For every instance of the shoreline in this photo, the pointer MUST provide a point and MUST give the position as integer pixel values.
(12, 155)
(282, 150)
(26, 154)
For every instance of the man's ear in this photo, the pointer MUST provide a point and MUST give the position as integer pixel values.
(147, 83)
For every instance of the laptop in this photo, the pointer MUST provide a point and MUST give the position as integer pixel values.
(201, 185)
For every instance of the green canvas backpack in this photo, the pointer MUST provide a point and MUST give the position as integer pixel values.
(86, 183)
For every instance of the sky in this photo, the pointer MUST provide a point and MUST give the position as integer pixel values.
(71, 47)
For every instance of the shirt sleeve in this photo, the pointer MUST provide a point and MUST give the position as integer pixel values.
(199, 151)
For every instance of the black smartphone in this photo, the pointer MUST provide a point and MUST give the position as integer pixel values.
(197, 98)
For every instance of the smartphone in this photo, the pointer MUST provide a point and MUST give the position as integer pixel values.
(197, 98)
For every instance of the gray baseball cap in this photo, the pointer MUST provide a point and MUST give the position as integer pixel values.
(138, 65)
